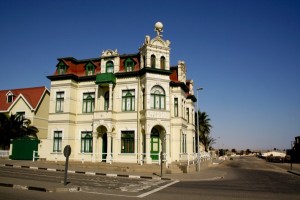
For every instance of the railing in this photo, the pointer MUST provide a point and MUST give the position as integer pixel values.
(4, 153)
(114, 157)
(192, 158)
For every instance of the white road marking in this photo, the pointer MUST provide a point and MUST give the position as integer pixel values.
(157, 189)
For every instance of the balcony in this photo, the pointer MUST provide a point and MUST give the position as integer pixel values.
(105, 78)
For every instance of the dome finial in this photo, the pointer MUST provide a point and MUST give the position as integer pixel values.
(158, 28)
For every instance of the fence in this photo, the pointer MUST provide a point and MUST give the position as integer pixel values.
(114, 157)
(192, 158)
(4, 153)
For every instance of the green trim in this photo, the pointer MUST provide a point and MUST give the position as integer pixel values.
(89, 69)
(129, 65)
(109, 67)
(61, 68)
(105, 78)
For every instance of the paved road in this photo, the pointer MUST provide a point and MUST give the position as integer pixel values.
(244, 178)
(88, 183)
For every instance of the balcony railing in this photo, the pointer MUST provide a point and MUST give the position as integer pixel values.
(105, 78)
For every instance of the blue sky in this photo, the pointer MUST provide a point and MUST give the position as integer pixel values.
(245, 54)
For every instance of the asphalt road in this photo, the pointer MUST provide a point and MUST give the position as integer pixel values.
(245, 178)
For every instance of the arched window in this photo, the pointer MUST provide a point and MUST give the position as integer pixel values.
(153, 61)
(128, 97)
(89, 69)
(157, 98)
(106, 100)
(162, 62)
(88, 102)
(109, 67)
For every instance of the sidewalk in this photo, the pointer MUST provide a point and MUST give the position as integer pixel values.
(210, 173)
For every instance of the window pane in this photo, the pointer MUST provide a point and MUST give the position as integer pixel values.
(128, 99)
(176, 107)
(86, 142)
(88, 102)
(57, 141)
(152, 101)
(127, 142)
(162, 101)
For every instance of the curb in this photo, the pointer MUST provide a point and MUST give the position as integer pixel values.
(87, 173)
(294, 172)
(40, 189)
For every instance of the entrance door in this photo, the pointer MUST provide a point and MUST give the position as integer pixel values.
(104, 147)
(154, 144)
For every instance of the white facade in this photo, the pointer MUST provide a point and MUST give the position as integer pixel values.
(128, 108)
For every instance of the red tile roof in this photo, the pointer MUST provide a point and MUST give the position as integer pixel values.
(32, 96)
(77, 67)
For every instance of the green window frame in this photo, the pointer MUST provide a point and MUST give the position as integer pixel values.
(106, 100)
(158, 98)
(59, 101)
(128, 100)
(88, 102)
(57, 141)
(89, 69)
(153, 61)
(129, 65)
(86, 142)
(176, 107)
(61, 68)
(162, 62)
(127, 142)
(109, 67)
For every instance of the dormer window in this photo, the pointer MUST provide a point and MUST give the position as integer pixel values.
(10, 98)
(90, 69)
(129, 65)
(61, 68)
(109, 67)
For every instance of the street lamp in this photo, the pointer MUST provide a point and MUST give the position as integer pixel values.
(198, 150)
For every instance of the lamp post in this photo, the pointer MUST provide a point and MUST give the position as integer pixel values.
(292, 152)
(198, 150)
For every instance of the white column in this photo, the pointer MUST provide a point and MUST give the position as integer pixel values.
(108, 157)
(95, 147)
(168, 148)
(110, 97)
(148, 158)
(96, 98)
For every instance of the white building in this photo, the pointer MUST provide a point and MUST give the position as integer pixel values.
(122, 108)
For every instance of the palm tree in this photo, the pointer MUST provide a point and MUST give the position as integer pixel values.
(204, 130)
(14, 127)
(4, 133)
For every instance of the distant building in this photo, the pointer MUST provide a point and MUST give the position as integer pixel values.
(32, 103)
(122, 107)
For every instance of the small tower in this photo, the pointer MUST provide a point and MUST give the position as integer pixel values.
(155, 53)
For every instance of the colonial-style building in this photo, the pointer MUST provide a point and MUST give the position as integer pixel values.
(32, 103)
(121, 107)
